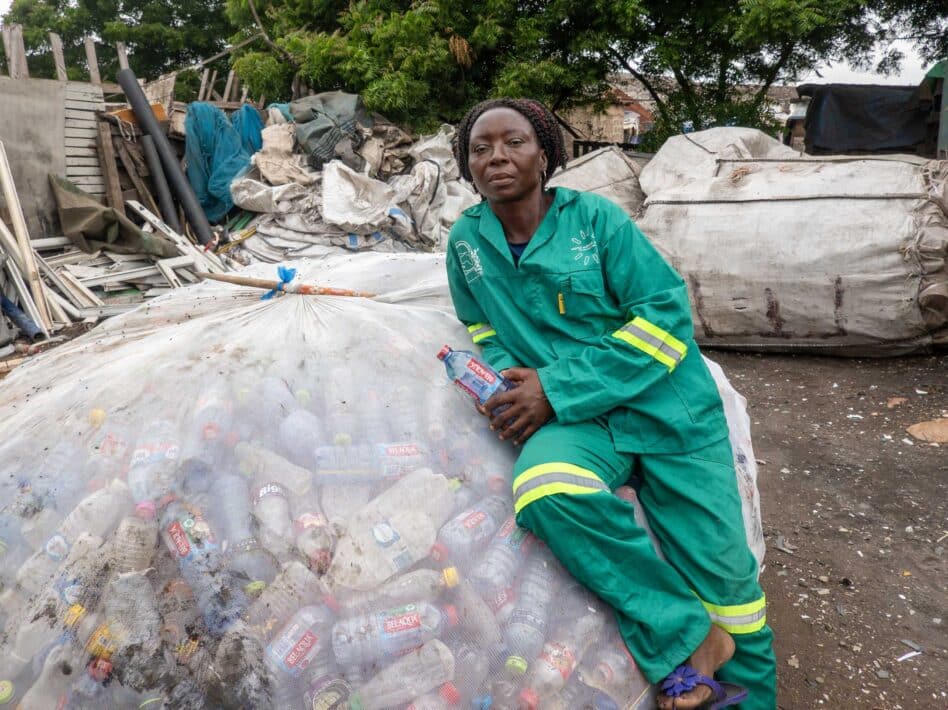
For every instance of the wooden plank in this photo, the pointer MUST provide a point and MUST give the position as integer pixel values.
(205, 75)
(213, 262)
(122, 55)
(113, 188)
(18, 222)
(82, 91)
(121, 276)
(57, 45)
(84, 171)
(80, 291)
(87, 150)
(77, 118)
(51, 243)
(143, 194)
(15, 51)
(228, 86)
(79, 143)
(80, 132)
(84, 103)
(92, 62)
(82, 161)
(210, 85)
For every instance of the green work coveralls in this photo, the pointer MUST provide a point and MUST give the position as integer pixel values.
(606, 323)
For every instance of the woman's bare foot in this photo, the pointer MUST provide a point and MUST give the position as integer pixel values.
(716, 650)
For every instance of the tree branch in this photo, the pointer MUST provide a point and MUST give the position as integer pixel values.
(287, 57)
(771, 75)
(659, 102)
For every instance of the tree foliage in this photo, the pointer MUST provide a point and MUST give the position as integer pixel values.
(159, 35)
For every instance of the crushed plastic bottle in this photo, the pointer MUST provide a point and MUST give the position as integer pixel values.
(135, 539)
(244, 552)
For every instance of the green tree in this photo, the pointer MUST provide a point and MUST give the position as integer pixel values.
(159, 35)
(707, 63)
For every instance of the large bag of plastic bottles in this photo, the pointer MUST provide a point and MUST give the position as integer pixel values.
(223, 500)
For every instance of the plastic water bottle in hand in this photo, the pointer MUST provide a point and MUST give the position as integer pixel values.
(473, 375)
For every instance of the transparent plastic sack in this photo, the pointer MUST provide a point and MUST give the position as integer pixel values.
(219, 500)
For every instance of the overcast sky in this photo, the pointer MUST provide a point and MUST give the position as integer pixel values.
(912, 70)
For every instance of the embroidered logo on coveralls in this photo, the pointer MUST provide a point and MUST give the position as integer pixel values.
(585, 248)
(470, 262)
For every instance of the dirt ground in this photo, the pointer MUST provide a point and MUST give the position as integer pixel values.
(860, 510)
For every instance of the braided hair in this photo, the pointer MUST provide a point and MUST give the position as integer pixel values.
(540, 117)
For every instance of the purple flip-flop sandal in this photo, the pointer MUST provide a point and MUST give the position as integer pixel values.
(685, 679)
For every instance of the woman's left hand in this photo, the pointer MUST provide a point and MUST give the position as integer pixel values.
(529, 408)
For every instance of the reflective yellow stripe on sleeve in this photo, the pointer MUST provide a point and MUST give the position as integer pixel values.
(551, 478)
(653, 341)
(479, 331)
(739, 618)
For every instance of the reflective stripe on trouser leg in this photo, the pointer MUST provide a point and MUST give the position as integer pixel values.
(739, 618)
(552, 478)
(480, 331)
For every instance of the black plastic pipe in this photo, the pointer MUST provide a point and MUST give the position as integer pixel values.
(168, 213)
(177, 179)
(22, 321)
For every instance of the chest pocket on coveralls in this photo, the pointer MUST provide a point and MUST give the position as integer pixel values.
(580, 301)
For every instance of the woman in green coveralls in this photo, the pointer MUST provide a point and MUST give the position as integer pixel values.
(568, 298)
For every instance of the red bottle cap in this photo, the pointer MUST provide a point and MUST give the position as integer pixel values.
(439, 553)
(443, 352)
(100, 669)
(451, 613)
(529, 699)
(450, 693)
(145, 510)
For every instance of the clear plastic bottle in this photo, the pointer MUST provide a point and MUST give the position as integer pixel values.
(135, 539)
(51, 686)
(298, 432)
(577, 694)
(244, 552)
(493, 576)
(611, 669)
(431, 701)
(212, 420)
(259, 463)
(327, 693)
(95, 514)
(314, 538)
(294, 587)
(506, 687)
(561, 655)
(154, 462)
(192, 543)
(131, 610)
(422, 490)
(465, 535)
(110, 450)
(476, 616)
(342, 502)
(473, 376)
(527, 626)
(179, 619)
(470, 683)
(373, 552)
(302, 642)
(409, 677)
(271, 508)
(417, 585)
(346, 464)
(61, 606)
(361, 640)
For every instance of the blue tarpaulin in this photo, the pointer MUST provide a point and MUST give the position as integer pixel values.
(215, 156)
